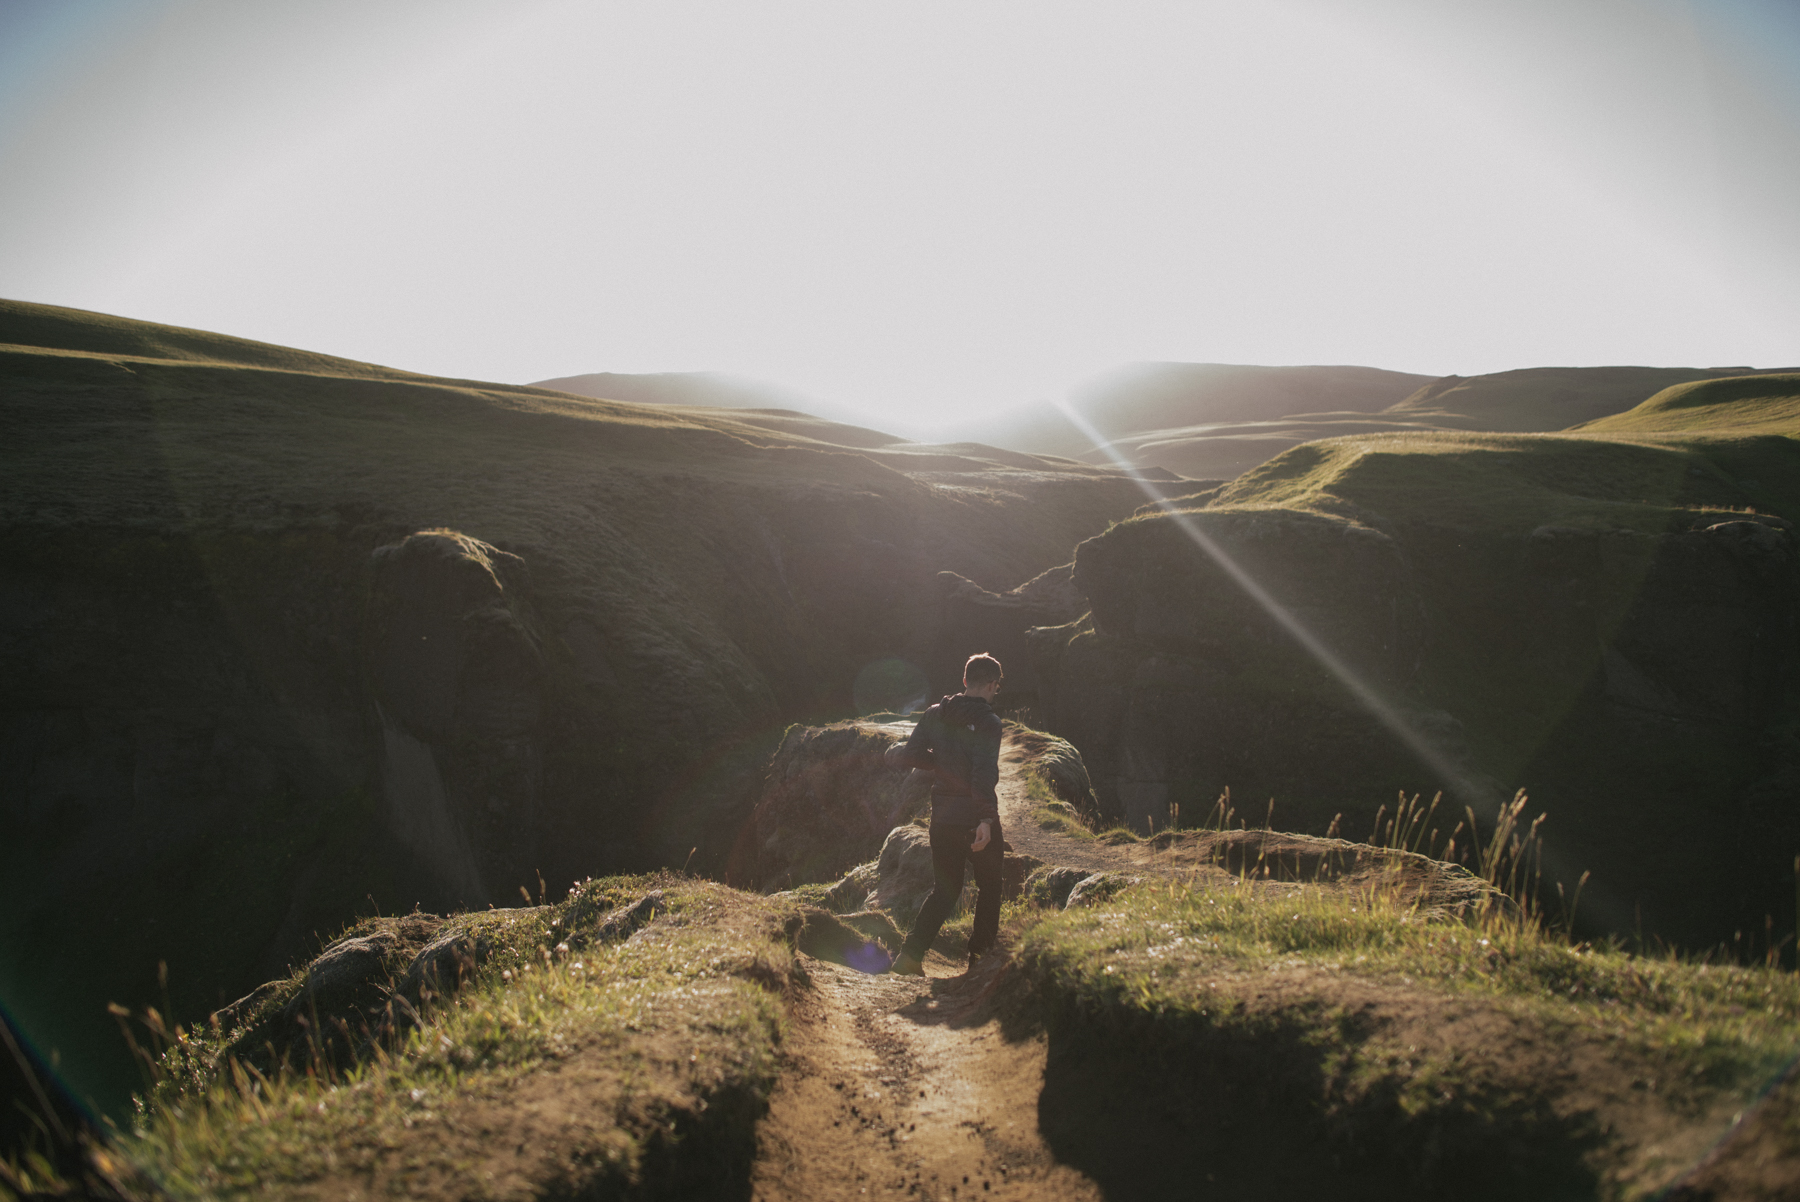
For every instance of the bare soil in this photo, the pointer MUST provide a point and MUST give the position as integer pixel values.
(908, 1087)
(912, 1087)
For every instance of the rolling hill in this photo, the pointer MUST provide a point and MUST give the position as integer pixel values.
(1216, 421)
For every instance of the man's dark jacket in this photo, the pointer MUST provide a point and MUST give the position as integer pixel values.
(959, 740)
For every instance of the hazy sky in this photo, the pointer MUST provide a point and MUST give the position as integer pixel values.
(943, 206)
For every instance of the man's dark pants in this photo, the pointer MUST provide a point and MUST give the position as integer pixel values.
(949, 849)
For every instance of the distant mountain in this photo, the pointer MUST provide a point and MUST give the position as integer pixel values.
(703, 389)
(1136, 401)
(1202, 421)
(767, 406)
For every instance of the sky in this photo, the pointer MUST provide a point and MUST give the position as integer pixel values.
(928, 209)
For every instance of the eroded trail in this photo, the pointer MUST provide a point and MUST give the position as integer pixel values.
(904, 1087)
(908, 1087)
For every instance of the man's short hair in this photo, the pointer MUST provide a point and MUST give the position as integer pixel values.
(981, 668)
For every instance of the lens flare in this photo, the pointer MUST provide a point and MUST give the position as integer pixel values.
(1364, 693)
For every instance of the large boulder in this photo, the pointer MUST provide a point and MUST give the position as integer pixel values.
(828, 802)
(906, 873)
(973, 618)
(1058, 765)
(906, 877)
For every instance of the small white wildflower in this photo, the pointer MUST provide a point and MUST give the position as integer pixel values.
(417, 1094)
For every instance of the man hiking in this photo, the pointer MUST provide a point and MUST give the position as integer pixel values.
(959, 740)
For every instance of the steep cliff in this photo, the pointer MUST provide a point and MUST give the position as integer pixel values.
(1610, 625)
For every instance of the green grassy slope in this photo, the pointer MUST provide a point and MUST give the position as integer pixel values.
(48, 329)
(1292, 1037)
(1304, 1041)
(574, 1059)
(1768, 404)
(1496, 482)
(1690, 451)
(1532, 400)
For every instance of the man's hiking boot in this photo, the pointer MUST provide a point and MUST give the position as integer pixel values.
(906, 966)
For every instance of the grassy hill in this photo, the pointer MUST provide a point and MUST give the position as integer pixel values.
(34, 333)
(1213, 421)
(1543, 399)
(1732, 408)
(288, 638)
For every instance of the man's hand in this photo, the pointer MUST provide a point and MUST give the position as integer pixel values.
(984, 834)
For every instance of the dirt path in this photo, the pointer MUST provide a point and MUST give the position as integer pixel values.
(905, 1087)
(902, 1087)
(1028, 838)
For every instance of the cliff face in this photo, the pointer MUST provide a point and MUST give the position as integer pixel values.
(1633, 664)
(1181, 684)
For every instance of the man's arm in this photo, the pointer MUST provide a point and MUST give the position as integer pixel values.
(916, 751)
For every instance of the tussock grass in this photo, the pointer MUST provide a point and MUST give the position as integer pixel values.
(670, 1032)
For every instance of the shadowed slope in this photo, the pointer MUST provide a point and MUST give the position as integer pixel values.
(283, 634)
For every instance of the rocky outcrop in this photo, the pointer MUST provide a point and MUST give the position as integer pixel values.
(828, 801)
(1636, 684)
(1059, 766)
(904, 872)
(972, 618)
(455, 658)
(901, 878)
(1182, 683)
